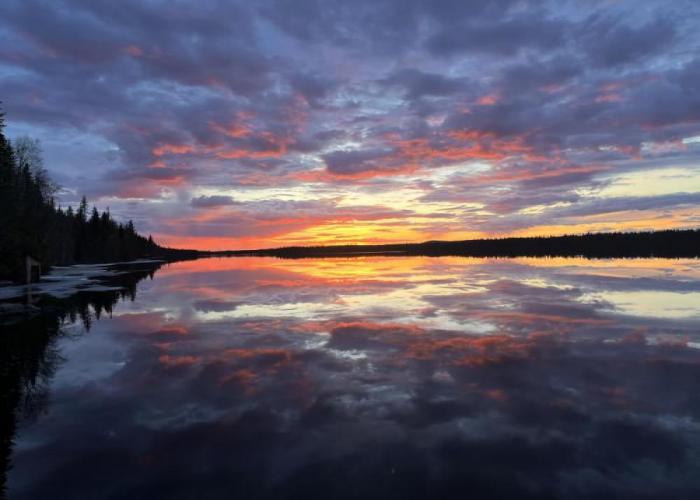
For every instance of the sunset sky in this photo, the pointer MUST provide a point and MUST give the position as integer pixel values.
(224, 125)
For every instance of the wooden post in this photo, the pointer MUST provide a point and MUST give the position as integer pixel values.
(30, 263)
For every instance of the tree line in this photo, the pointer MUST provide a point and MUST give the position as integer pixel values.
(32, 225)
(673, 243)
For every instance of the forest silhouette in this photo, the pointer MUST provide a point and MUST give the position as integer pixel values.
(674, 243)
(32, 225)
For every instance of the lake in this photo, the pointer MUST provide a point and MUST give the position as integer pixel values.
(368, 377)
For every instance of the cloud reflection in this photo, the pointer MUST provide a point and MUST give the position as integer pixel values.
(380, 378)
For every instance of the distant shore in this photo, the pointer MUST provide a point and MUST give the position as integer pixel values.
(684, 243)
(65, 281)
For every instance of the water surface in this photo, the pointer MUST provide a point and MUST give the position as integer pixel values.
(372, 377)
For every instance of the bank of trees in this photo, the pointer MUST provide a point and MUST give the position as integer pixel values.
(32, 224)
(673, 243)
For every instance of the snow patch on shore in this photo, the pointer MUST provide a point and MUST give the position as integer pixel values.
(64, 281)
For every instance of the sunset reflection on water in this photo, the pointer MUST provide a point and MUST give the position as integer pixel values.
(387, 377)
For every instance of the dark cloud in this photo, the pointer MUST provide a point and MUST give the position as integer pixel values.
(501, 38)
(314, 88)
(418, 84)
(355, 162)
(610, 42)
(212, 201)
(611, 205)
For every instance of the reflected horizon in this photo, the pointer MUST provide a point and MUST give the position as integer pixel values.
(379, 377)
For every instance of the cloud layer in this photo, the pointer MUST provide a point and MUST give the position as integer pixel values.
(372, 122)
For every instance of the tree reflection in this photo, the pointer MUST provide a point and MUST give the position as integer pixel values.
(29, 356)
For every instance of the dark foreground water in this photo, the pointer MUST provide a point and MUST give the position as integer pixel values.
(375, 377)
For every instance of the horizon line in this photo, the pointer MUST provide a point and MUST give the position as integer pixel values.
(413, 243)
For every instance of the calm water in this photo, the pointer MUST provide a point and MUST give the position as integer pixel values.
(375, 377)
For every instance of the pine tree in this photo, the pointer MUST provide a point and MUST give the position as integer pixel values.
(94, 218)
(82, 210)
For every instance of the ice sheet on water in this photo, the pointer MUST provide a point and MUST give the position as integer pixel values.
(64, 281)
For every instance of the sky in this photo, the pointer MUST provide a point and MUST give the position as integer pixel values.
(225, 125)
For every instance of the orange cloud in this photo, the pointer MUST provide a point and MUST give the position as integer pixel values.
(234, 153)
(277, 146)
(176, 149)
(489, 99)
(237, 129)
(177, 361)
(461, 145)
(611, 97)
(134, 50)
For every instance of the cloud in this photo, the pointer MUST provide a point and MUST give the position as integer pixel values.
(356, 162)
(418, 84)
(609, 42)
(502, 37)
(212, 201)
(529, 103)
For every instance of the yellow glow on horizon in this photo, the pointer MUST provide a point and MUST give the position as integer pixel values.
(419, 269)
(656, 182)
(351, 233)
(629, 220)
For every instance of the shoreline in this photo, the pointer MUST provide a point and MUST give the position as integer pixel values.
(64, 282)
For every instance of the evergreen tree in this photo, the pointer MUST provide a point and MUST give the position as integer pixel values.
(82, 210)
(30, 223)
